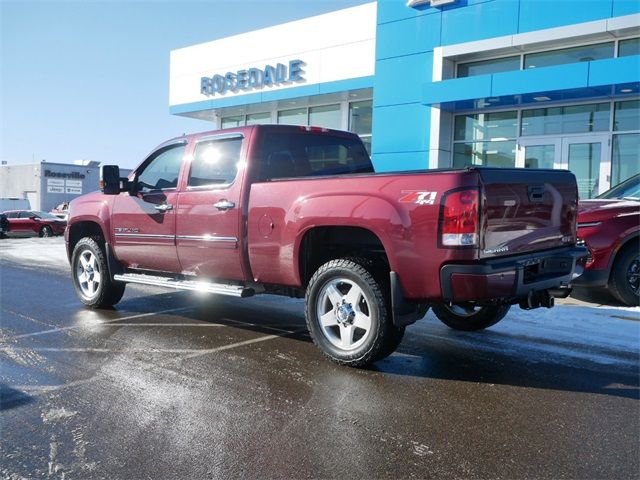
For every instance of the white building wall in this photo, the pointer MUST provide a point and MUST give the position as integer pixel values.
(335, 46)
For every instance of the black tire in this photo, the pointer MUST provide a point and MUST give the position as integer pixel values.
(623, 283)
(107, 292)
(477, 318)
(377, 341)
(45, 232)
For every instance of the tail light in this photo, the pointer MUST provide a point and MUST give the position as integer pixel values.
(459, 218)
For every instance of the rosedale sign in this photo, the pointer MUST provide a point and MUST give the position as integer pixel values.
(253, 78)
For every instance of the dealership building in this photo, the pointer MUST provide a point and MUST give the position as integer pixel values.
(440, 83)
(47, 184)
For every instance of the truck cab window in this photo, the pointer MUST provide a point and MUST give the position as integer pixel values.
(162, 171)
(215, 162)
(287, 155)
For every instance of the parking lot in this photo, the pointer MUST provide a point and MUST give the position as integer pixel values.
(175, 385)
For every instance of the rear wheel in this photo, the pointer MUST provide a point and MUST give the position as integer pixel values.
(625, 276)
(468, 317)
(348, 313)
(91, 277)
(46, 231)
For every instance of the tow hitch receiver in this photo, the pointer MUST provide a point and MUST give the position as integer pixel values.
(542, 298)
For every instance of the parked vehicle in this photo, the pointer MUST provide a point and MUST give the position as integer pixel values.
(7, 204)
(4, 225)
(610, 227)
(298, 211)
(42, 224)
(61, 210)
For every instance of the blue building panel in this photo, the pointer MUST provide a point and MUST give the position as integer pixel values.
(540, 14)
(399, 80)
(625, 7)
(405, 40)
(394, 10)
(614, 71)
(407, 37)
(393, 162)
(560, 77)
(479, 21)
(457, 89)
(401, 128)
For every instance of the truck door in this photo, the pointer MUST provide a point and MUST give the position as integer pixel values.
(144, 224)
(208, 231)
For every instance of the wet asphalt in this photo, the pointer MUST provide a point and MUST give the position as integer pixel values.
(173, 385)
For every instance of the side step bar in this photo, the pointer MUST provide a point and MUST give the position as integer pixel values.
(207, 287)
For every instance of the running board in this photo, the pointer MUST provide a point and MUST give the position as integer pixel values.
(206, 287)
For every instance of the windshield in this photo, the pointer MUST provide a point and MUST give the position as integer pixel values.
(630, 188)
(45, 215)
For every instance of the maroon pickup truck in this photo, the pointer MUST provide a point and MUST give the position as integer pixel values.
(299, 211)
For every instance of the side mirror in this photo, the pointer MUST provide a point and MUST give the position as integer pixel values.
(33, 217)
(110, 182)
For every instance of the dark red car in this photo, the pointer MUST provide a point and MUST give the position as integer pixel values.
(610, 227)
(41, 223)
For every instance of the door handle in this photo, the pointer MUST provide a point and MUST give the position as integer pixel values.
(224, 205)
(165, 207)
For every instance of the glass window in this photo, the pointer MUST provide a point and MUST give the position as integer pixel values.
(627, 116)
(360, 114)
(215, 162)
(486, 67)
(539, 156)
(486, 126)
(489, 154)
(26, 214)
(232, 122)
(629, 47)
(295, 116)
(162, 171)
(584, 162)
(585, 53)
(287, 154)
(626, 157)
(327, 116)
(570, 119)
(258, 118)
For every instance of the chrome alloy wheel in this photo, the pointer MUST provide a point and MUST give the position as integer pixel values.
(88, 273)
(633, 276)
(344, 313)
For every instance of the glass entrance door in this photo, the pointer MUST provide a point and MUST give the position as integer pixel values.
(539, 153)
(587, 157)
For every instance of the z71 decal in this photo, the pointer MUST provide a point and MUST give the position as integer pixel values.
(419, 198)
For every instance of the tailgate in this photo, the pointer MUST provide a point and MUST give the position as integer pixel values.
(527, 210)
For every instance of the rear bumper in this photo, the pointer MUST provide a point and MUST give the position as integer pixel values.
(592, 278)
(512, 278)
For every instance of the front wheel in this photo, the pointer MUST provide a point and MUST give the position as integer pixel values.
(46, 232)
(469, 317)
(625, 276)
(91, 277)
(348, 313)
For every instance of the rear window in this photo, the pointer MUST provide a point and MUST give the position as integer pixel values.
(290, 155)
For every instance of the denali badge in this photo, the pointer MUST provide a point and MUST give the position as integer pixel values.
(496, 250)
(419, 198)
(126, 230)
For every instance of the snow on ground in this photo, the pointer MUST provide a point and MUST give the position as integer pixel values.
(574, 329)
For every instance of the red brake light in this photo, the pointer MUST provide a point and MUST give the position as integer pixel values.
(459, 224)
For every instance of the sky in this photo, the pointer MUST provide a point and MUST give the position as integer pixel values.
(90, 79)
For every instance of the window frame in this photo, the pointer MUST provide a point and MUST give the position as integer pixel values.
(151, 157)
(213, 138)
(485, 57)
